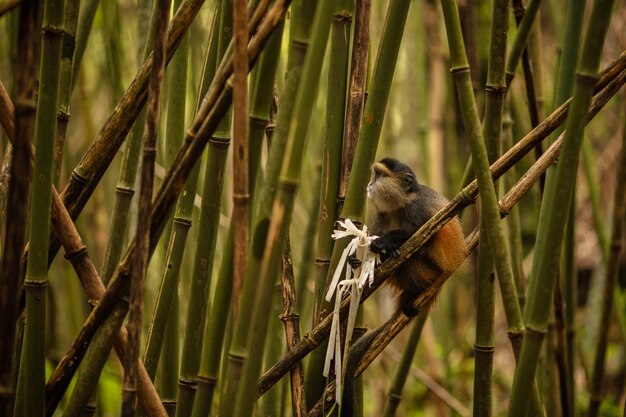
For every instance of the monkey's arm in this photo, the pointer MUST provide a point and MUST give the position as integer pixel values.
(389, 244)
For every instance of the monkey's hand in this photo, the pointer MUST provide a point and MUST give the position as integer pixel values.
(389, 244)
(354, 262)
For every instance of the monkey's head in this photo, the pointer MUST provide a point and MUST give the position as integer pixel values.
(393, 185)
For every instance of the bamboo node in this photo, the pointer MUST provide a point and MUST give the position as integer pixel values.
(322, 261)
(219, 141)
(342, 17)
(495, 88)
(35, 283)
(80, 178)
(236, 357)
(26, 105)
(460, 69)
(182, 222)
(289, 316)
(531, 331)
(188, 383)
(72, 256)
(466, 197)
(125, 191)
(191, 135)
(241, 198)
(50, 29)
(258, 120)
(587, 80)
(484, 349)
(201, 379)
(63, 115)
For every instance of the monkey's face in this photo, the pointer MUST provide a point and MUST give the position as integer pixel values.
(386, 190)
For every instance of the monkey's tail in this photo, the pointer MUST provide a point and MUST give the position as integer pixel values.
(357, 350)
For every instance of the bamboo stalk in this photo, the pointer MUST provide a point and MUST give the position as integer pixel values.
(142, 239)
(95, 358)
(553, 214)
(335, 166)
(466, 197)
(18, 194)
(65, 82)
(39, 224)
(494, 91)
(241, 176)
(125, 188)
(191, 347)
(168, 291)
(290, 318)
(616, 245)
(521, 38)
(83, 29)
(564, 86)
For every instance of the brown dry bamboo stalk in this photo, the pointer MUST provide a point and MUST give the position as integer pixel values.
(356, 91)
(139, 258)
(18, 192)
(613, 78)
(291, 320)
(241, 187)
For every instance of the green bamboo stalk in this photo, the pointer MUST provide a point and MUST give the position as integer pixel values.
(521, 39)
(113, 51)
(489, 204)
(65, 82)
(613, 252)
(191, 350)
(270, 404)
(170, 361)
(554, 212)
(256, 324)
(125, 188)
(18, 194)
(91, 368)
(214, 335)
(142, 240)
(39, 225)
(564, 85)
(513, 221)
(83, 29)
(402, 371)
(331, 175)
(494, 93)
(168, 291)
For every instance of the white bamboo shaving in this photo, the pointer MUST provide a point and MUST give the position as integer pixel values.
(358, 246)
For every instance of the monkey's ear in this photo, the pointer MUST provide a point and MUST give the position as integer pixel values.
(408, 179)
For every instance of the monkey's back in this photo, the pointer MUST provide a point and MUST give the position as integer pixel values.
(442, 254)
